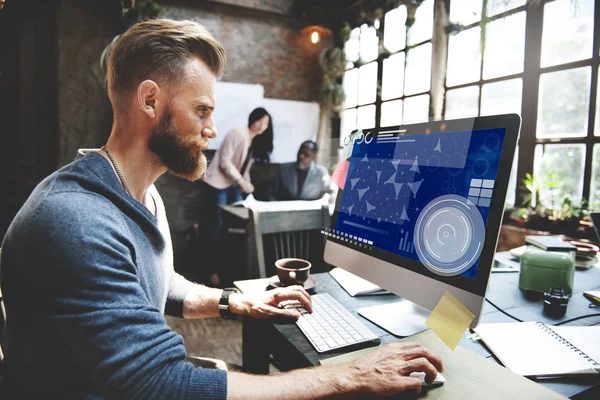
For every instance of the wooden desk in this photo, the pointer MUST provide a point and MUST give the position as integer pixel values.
(289, 348)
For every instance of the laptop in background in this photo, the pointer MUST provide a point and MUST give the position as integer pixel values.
(595, 217)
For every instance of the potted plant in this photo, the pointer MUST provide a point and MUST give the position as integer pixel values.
(547, 214)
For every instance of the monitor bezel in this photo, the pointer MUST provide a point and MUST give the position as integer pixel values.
(511, 123)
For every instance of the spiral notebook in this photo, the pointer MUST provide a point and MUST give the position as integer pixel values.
(535, 349)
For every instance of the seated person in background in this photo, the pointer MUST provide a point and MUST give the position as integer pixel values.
(303, 179)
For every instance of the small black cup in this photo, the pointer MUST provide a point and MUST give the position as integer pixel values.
(292, 271)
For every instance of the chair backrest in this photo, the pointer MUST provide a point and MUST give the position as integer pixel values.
(2, 319)
(287, 233)
(2, 322)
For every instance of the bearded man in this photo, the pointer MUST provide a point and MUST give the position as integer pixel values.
(87, 264)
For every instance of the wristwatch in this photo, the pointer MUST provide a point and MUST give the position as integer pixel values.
(224, 309)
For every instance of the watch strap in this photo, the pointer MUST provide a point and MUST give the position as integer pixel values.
(224, 309)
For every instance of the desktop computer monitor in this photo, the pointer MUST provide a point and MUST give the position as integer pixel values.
(421, 207)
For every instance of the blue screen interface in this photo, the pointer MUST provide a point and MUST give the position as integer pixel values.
(425, 197)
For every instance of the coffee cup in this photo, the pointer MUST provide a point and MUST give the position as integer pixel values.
(292, 271)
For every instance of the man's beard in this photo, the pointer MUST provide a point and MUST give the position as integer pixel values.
(184, 158)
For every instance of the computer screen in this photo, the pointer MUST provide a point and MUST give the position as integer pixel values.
(428, 199)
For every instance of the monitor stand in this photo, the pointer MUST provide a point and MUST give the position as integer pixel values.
(403, 318)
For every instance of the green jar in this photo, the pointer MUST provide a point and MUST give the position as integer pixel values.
(541, 270)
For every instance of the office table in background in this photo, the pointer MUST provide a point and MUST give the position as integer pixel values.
(286, 346)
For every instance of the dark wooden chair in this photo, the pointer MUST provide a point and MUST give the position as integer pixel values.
(289, 233)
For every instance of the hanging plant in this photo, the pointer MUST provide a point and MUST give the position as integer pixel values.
(333, 96)
(333, 63)
(344, 32)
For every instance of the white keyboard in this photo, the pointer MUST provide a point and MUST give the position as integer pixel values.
(330, 326)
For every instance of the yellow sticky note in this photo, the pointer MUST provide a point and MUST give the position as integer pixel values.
(449, 320)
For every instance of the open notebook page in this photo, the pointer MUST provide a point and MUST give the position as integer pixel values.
(585, 338)
(529, 350)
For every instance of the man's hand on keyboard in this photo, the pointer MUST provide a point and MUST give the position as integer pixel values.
(385, 371)
(266, 305)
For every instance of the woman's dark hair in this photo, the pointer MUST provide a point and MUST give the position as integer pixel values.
(262, 145)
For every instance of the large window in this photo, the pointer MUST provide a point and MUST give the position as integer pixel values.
(565, 143)
(389, 84)
(360, 80)
(486, 61)
(495, 61)
(537, 59)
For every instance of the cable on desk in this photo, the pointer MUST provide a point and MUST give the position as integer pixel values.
(578, 318)
(560, 323)
(502, 311)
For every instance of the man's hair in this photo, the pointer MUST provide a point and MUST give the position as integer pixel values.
(311, 145)
(158, 49)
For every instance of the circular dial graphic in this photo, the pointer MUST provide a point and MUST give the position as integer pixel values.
(449, 235)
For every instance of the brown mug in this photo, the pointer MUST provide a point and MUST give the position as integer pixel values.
(292, 271)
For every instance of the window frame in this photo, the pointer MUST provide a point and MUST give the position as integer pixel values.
(483, 23)
(529, 106)
(532, 71)
(379, 60)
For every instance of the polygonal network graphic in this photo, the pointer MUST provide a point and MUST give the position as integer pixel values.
(381, 189)
(423, 196)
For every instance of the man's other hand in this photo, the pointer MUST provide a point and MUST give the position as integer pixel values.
(385, 371)
(266, 305)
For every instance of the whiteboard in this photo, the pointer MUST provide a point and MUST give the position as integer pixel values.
(293, 123)
(235, 102)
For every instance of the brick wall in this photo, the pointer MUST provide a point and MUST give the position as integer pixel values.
(261, 49)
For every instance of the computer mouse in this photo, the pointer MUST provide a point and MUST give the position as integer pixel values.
(438, 381)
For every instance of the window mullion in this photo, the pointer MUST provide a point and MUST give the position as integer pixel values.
(529, 104)
(587, 169)
(589, 154)
(439, 59)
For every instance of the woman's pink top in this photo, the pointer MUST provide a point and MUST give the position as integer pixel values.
(224, 169)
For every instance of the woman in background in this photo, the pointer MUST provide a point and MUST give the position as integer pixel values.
(229, 171)
(228, 176)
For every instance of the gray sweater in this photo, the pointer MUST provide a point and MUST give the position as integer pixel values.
(285, 185)
(86, 274)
